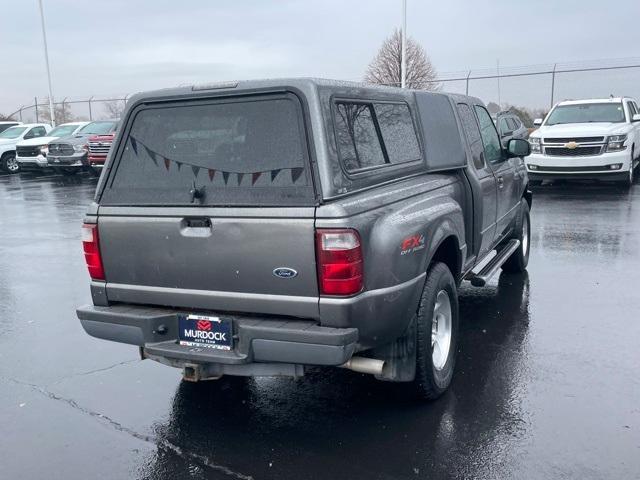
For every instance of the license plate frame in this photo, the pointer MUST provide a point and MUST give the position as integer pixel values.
(205, 331)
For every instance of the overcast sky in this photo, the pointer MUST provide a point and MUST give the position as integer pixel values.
(119, 46)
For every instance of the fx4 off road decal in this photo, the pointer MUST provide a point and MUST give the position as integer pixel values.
(412, 244)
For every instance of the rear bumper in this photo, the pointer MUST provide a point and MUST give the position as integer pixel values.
(257, 340)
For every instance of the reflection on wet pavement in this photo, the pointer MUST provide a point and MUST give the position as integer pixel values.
(546, 383)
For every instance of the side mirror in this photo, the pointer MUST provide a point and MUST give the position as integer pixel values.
(537, 122)
(517, 147)
(635, 117)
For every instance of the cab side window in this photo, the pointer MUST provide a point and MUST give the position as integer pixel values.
(490, 138)
(472, 132)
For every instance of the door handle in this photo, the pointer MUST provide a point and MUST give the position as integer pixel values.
(195, 227)
(500, 182)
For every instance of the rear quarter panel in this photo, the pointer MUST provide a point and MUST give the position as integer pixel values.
(401, 225)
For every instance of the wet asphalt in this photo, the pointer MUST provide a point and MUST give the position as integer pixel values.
(547, 383)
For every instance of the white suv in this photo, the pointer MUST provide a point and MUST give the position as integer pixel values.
(11, 136)
(594, 139)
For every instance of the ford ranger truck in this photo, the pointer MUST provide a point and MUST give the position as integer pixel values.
(263, 227)
(597, 139)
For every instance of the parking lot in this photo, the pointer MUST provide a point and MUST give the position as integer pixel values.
(547, 383)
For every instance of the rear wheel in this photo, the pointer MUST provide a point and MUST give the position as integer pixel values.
(437, 333)
(519, 259)
(9, 163)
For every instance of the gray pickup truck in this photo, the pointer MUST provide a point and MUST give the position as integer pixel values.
(263, 227)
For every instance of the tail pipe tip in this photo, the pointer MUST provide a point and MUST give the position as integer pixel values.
(364, 365)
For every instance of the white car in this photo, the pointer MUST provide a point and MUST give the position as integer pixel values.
(32, 153)
(11, 136)
(593, 139)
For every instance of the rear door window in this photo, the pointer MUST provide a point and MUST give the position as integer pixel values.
(490, 139)
(470, 126)
(241, 151)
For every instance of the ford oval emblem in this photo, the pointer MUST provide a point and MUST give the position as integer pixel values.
(284, 272)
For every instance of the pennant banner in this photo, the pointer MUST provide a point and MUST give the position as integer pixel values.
(296, 172)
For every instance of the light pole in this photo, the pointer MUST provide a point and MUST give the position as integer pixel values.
(403, 61)
(46, 60)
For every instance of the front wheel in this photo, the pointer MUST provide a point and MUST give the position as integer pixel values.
(519, 259)
(437, 333)
(10, 164)
(628, 181)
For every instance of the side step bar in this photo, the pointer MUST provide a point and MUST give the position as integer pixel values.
(489, 270)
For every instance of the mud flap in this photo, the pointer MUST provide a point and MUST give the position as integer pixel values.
(399, 357)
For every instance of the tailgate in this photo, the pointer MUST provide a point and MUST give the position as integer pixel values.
(210, 261)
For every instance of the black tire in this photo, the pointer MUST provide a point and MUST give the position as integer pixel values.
(430, 382)
(535, 183)
(67, 172)
(94, 171)
(9, 164)
(519, 259)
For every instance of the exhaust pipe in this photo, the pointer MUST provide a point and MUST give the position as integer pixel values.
(371, 366)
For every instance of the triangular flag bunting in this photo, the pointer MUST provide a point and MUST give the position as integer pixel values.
(195, 170)
(295, 173)
(212, 173)
(254, 177)
(151, 154)
(167, 162)
(225, 175)
(274, 174)
(134, 145)
(240, 175)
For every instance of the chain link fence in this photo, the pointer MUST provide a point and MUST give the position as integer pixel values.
(531, 90)
(68, 110)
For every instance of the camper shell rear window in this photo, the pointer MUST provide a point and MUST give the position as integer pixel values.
(234, 151)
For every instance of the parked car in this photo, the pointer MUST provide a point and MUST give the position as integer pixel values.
(219, 250)
(597, 139)
(510, 126)
(68, 155)
(32, 154)
(6, 124)
(11, 136)
(99, 146)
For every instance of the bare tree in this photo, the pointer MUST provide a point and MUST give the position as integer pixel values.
(114, 108)
(62, 112)
(4, 117)
(385, 68)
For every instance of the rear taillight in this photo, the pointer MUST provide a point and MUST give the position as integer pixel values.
(339, 261)
(91, 247)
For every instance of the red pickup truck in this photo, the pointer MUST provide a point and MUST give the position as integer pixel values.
(99, 146)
